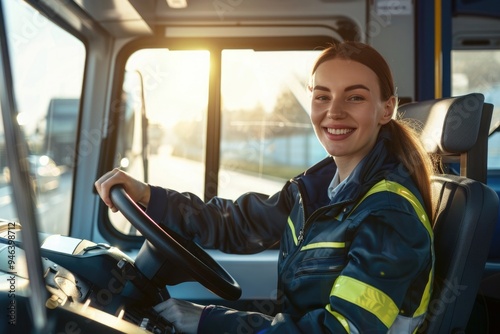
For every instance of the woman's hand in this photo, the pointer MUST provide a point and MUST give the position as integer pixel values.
(138, 191)
(184, 315)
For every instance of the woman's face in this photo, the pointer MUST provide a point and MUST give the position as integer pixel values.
(346, 109)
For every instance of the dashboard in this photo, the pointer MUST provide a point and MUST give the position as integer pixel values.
(90, 287)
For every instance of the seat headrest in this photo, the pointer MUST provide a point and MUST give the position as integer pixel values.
(449, 126)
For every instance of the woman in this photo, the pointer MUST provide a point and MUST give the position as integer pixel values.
(355, 237)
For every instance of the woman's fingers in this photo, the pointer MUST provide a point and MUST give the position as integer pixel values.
(137, 190)
(104, 184)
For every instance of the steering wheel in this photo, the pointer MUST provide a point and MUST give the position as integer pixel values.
(182, 252)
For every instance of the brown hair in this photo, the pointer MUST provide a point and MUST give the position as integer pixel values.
(407, 148)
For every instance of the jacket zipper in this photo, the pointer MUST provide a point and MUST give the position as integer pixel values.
(305, 222)
(301, 234)
(300, 237)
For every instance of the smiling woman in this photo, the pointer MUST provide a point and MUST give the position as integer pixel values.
(211, 100)
(338, 223)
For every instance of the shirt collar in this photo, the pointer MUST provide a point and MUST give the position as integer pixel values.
(333, 188)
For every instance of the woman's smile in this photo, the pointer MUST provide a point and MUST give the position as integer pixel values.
(339, 133)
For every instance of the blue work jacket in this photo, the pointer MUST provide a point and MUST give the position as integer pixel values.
(361, 262)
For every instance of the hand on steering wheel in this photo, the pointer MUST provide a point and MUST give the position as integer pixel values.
(182, 252)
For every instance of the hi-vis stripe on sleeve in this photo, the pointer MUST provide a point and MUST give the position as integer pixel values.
(367, 297)
(397, 188)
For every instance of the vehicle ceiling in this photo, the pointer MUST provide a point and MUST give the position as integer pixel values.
(127, 18)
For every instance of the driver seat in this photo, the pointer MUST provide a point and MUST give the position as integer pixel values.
(466, 210)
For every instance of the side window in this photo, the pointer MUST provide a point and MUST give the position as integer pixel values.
(479, 71)
(47, 88)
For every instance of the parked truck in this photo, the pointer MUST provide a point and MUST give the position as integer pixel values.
(60, 130)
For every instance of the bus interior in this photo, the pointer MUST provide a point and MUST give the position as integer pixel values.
(209, 97)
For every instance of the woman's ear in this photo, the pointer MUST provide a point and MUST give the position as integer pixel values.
(389, 107)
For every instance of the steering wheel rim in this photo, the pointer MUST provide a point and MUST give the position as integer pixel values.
(184, 253)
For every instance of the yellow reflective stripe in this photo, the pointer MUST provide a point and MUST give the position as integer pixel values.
(397, 188)
(367, 297)
(378, 187)
(340, 318)
(292, 228)
(424, 303)
(323, 245)
(417, 206)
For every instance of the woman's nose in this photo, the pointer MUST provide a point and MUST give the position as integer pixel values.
(335, 112)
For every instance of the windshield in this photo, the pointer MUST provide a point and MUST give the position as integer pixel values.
(266, 135)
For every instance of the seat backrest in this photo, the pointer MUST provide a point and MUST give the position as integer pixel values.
(466, 209)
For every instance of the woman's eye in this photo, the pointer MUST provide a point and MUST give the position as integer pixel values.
(321, 98)
(356, 98)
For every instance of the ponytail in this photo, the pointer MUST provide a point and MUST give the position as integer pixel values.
(409, 150)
